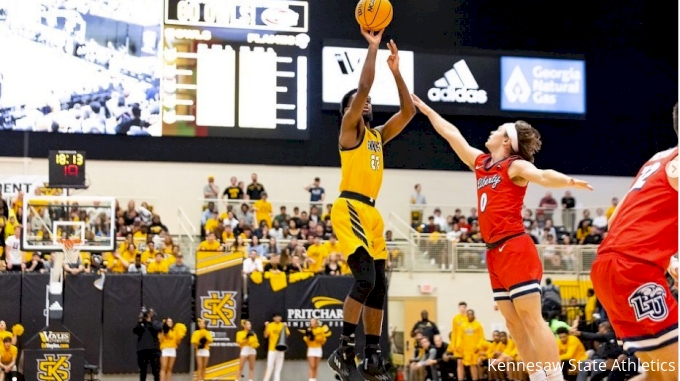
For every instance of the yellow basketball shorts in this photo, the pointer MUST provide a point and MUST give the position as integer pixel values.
(356, 225)
(470, 357)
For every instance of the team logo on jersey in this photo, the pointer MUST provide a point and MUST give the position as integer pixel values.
(374, 146)
(489, 180)
(649, 302)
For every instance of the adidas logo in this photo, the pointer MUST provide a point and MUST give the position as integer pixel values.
(457, 85)
(56, 307)
(517, 88)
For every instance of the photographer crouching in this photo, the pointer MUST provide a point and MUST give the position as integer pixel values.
(148, 346)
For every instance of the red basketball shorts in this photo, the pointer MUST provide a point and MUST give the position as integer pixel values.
(638, 302)
(515, 268)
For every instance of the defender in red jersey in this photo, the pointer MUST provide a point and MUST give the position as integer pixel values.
(514, 266)
(629, 273)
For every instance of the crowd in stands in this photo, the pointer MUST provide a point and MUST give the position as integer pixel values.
(143, 243)
(587, 345)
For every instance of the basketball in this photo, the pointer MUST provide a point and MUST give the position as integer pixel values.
(374, 15)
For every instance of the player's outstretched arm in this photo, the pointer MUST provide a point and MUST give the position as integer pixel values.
(448, 131)
(545, 177)
(349, 135)
(398, 121)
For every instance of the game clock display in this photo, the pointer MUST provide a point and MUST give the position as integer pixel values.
(67, 169)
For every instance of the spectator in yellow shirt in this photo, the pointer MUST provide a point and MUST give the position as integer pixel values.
(591, 305)
(8, 358)
(317, 253)
(212, 223)
(610, 211)
(158, 266)
(263, 210)
(571, 351)
(117, 263)
(470, 334)
(210, 244)
(456, 349)
(150, 253)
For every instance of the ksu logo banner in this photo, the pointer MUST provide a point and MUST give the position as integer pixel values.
(218, 309)
(54, 367)
(543, 85)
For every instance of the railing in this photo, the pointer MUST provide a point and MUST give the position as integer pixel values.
(435, 253)
(186, 238)
(567, 218)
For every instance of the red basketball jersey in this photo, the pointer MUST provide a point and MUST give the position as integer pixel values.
(499, 200)
(646, 225)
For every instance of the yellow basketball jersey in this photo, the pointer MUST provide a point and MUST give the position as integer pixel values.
(362, 167)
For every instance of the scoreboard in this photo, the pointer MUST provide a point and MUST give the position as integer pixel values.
(235, 68)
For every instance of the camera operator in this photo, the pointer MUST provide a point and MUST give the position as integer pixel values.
(148, 346)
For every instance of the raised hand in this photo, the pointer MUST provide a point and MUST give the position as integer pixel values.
(580, 184)
(393, 59)
(372, 37)
(422, 106)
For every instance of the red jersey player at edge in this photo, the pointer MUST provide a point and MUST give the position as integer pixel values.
(629, 273)
(514, 266)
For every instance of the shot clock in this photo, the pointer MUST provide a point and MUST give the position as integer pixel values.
(67, 169)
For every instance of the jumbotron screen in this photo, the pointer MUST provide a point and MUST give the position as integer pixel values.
(235, 68)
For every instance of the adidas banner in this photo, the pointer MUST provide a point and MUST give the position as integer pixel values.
(543, 85)
(458, 84)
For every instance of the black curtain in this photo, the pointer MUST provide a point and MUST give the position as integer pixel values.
(33, 297)
(122, 303)
(262, 304)
(10, 303)
(170, 296)
(83, 313)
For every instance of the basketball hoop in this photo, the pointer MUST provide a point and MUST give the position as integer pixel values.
(68, 247)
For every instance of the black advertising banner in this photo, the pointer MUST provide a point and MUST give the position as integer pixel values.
(33, 301)
(170, 296)
(54, 354)
(321, 297)
(83, 313)
(10, 307)
(122, 304)
(459, 84)
(219, 294)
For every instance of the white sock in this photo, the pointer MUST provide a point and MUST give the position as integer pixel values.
(538, 376)
(554, 375)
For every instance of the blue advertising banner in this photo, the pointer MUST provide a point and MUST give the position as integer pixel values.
(543, 85)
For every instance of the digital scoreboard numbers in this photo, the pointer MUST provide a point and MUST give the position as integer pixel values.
(235, 68)
(66, 169)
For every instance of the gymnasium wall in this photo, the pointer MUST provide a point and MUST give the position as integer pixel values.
(169, 186)
(451, 289)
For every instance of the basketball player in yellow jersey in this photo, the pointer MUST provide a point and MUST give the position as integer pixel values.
(356, 221)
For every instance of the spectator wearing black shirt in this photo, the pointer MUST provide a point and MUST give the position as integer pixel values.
(233, 191)
(551, 299)
(568, 212)
(447, 369)
(427, 361)
(609, 349)
(35, 265)
(594, 238)
(316, 193)
(4, 208)
(426, 326)
(255, 189)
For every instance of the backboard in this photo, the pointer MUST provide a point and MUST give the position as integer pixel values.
(46, 219)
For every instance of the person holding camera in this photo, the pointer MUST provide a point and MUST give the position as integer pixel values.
(148, 346)
(315, 338)
(201, 339)
(249, 343)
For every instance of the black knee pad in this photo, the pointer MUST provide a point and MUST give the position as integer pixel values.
(376, 299)
(363, 269)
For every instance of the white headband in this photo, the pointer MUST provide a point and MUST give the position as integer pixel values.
(511, 131)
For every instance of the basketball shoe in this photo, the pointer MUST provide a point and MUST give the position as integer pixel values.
(343, 362)
(372, 367)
